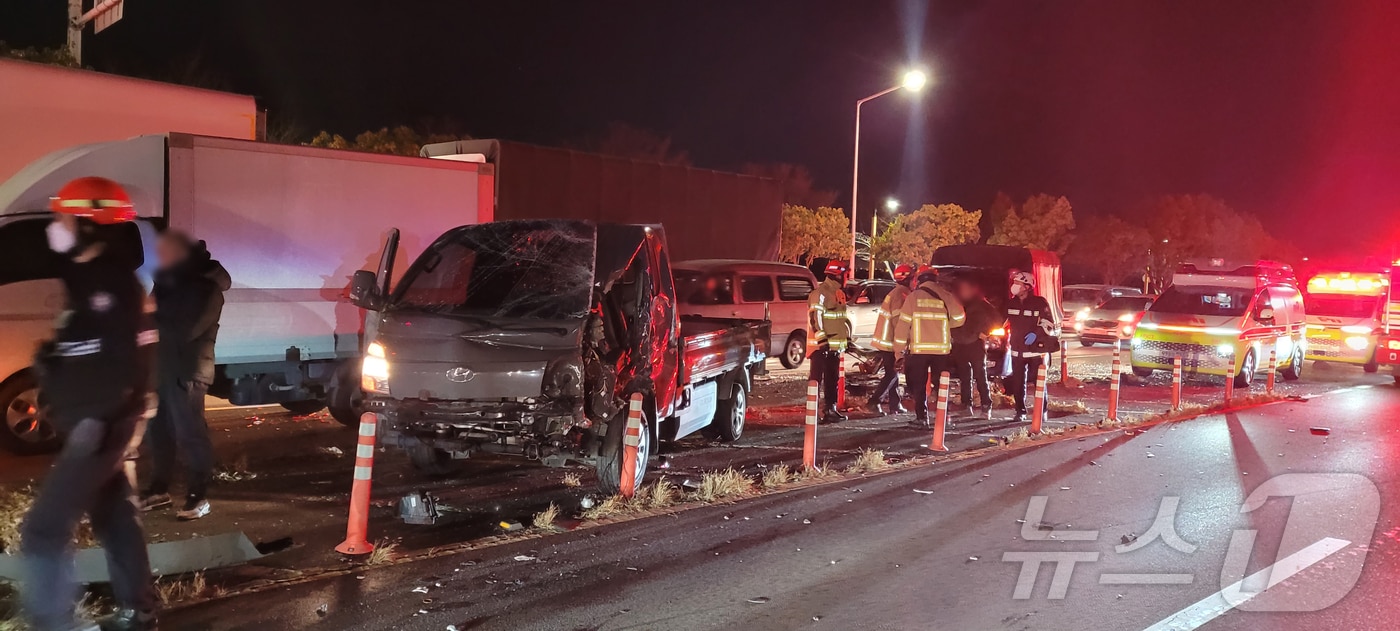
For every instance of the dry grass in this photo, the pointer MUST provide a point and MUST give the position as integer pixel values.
(88, 609)
(1068, 407)
(716, 485)
(180, 590)
(776, 476)
(658, 495)
(572, 480)
(823, 471)
(544, 520)
(14, 505)
(868, 461)
(383, 552)
(610, 506)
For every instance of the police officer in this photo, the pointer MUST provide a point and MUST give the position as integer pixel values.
(826, 317)
(886, 319)
(925, 321)
(1032, 331)
(95, 374)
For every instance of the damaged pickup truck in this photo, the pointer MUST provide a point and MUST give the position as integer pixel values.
(529, 338)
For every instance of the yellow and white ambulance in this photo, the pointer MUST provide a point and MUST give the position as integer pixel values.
(1346, 311)
(1219, 314)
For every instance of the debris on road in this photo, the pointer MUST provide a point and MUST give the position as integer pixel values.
(420, 590)
(1320, 431)
(334, 451)
(323, 610)
(1128, 538)
(522, 557)
(972, 558)
(923, 492)
(419, 507)
(760, 600)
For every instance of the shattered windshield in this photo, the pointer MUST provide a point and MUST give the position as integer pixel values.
(530, 269)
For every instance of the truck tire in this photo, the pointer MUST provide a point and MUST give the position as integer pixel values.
(1142, 372)
(26, 431)
(1086, 343)
(728, 424)
(1247, 369)
(431, 461)
(609, 461)
(345, 399)
(303, 408)
(794, 350)
(1294, 371)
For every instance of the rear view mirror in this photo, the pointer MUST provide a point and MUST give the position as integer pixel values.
(364, 290)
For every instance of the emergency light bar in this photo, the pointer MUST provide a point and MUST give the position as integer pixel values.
(1366, 284)
(1222, 272)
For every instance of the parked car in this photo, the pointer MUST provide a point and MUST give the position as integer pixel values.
(1078, 299)
(863, 300)
(1111, 321)
(754, 290)
(531, 337)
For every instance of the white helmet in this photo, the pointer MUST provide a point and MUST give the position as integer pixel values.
(1025, 278)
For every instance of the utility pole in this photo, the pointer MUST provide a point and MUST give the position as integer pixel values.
(103, 14)
(75, 30)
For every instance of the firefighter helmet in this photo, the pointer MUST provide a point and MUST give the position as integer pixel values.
(1024, 278)
(902, 272)
(94, 198)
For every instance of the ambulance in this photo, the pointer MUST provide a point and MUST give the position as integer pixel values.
(1346, 312)
(1219, 314)
(1388, 343)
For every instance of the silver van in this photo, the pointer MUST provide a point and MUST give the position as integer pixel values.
(731, 288)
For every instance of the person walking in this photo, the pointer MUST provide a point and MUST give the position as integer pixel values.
(189, 293)
(95, 374)
(826, 317)
(1032, 331)
(969, 347)
(929, 314)
(887, 390)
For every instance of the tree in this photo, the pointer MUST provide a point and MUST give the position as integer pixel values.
(401, 140)
(798, 187)
(912, 237)
(1113, 247)
(809, 234)
(625, 141)
(54, 56)
(1200, 226)
(1044, 222)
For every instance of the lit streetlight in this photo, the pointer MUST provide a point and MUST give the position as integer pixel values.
(891, 206)
(914, 80)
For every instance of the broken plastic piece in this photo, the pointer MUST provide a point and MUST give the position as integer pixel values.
(760, 600)
(1320, 431)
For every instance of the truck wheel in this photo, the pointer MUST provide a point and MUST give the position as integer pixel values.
(1142, 372)
(794, 351)
(1371, 367)
(609, 462)
(303, 408)
(1247, 369)
(26, 431)
(345, 399)
(729, 415)
(1294, 371)
(431, 461)
(1085, 343)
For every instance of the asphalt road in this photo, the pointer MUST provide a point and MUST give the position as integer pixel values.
(941, 546)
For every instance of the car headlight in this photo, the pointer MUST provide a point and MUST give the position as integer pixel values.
(374, 370)
(1225, 350)
(1357, 329)
(1358, 343)
(1079, 326)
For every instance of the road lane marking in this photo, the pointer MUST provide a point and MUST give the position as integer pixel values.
(1215, 605)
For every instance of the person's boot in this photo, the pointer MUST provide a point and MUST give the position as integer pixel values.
(873, 407)
(921, 421)
(987, 411)
(832, 415)
(1021, 417)
(966, 412)
(896, 407)
(129, 620)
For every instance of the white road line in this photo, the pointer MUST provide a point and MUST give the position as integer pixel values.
(1215, 605)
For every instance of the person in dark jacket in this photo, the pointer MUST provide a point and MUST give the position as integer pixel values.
(1032, 332)
(189, 293)
(95, 374)
(969, 346)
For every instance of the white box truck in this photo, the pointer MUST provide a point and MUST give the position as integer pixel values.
(290, 223)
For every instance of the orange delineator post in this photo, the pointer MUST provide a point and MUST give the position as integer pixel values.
(1064, 366)
(1230, 381)
(1038, 400)
(1115, 383)
(357, 528)
(841, 381)
(940, 414)
(630, 442)
(1273, 370)
(809, 432)
(1176, 382)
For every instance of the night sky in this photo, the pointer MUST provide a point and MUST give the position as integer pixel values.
(1289, 109)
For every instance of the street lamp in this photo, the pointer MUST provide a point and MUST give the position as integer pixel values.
(914, 80)
(891, 206)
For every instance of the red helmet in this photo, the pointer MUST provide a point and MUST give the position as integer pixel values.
(902, 271)
(96, 198)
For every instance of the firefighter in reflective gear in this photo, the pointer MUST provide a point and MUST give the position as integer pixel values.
(1032, 332)
(826, 317)
(887, 391)
(95, 374)
(923, 331)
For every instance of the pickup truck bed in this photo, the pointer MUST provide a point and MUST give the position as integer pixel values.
(714, 346)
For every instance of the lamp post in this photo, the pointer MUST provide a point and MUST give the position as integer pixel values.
(914, 80)
(891, 205)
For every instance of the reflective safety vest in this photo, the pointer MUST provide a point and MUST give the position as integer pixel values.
(925, 319)
(888, 316)
(826, 315)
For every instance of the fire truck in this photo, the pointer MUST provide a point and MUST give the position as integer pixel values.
(1346, 315)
